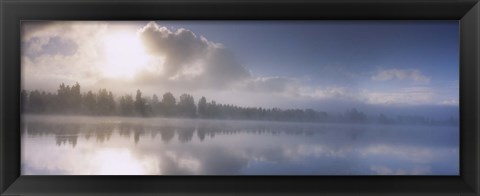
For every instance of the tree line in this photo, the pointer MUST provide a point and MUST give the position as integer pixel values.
(70, 100)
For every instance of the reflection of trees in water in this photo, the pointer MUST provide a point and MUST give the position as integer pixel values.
(63, 139)
(124, 129)
(206, 130)
(64, 133)
(138, 130)
(167, 133)
(102, 131)
(185, 134)
(210, 130)
(201, 132)
(68, 133)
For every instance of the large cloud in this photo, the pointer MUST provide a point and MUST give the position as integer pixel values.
(271, 84)
(406, 96)
(188, 57)
(50, 46)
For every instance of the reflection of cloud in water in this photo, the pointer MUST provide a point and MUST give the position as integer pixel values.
(413, 154)
(213, 160)
(177, 147)
(85, 159)
(120, 162)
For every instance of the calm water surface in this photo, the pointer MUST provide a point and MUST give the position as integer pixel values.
(153, 146)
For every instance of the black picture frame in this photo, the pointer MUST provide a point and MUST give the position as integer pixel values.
(14, 11)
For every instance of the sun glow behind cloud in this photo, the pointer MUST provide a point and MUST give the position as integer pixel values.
(124, 54)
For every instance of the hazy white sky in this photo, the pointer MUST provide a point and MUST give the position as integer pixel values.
(269, 64)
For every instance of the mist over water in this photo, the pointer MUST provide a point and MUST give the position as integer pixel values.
(72, 145)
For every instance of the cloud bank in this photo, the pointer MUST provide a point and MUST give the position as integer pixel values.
(401, 74)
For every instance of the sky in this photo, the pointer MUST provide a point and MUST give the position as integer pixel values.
(378, 66)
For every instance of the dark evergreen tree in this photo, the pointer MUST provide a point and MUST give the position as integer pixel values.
(90, 103)
(202, 107)
(111, 104)
(186, 106)
(36, 102)
(169, 104)
(140, 106)
(156, 106)
(62, 97)
(354, 115)
(212, 109)
(126, 105)
(75, 99)
(105, 102)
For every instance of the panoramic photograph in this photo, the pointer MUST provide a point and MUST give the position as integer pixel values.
(240, 97)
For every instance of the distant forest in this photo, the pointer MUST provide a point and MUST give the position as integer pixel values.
(70, 100)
